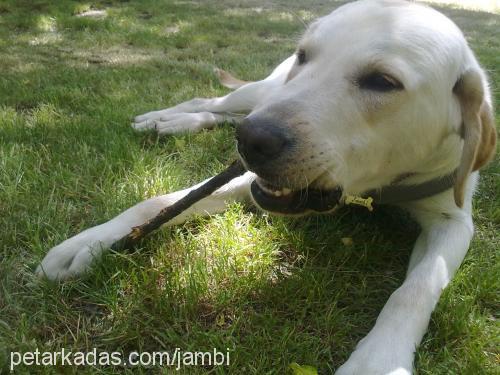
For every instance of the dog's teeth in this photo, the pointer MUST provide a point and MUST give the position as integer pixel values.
(274, 190)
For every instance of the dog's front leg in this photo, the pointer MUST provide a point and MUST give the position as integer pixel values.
(74, 256)
(199, 113)
(389, 347)
(169, 124)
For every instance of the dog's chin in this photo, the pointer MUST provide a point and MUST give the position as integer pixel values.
(286, 201)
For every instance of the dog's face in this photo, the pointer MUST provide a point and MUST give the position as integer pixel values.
(369, 98)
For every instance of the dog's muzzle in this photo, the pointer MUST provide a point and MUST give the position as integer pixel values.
(264, 145)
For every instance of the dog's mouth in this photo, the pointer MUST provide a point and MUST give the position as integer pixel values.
(283, 200)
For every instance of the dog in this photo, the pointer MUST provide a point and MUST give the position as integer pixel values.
(383, 102)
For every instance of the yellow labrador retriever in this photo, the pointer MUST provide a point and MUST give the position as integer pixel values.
(382, 102)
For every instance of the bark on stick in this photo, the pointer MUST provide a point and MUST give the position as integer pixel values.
(168, 213)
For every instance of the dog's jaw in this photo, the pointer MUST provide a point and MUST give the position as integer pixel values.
(285, 201)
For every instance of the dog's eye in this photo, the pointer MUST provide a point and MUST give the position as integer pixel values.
(379, 82)
(301, 57)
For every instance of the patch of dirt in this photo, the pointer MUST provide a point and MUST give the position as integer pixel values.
(93, 13)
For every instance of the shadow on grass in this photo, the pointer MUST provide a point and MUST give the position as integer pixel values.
(321, 296)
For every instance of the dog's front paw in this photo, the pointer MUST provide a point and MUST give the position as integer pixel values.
(378, 357)
(174, 123)
(148, 120)
(75, 255)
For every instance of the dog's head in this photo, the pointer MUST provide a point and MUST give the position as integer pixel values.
(379, 89)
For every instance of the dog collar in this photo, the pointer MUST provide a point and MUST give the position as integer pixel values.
(396, 193)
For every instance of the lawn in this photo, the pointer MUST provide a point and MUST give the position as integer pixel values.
(270, 290)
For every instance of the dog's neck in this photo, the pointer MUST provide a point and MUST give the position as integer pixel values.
(398, 193)
(427, 177)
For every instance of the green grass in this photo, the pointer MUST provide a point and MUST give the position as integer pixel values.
(272, 290)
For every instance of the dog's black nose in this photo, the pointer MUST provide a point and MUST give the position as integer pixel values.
(260, 141)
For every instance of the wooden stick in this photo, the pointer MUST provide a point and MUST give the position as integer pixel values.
(168, 213)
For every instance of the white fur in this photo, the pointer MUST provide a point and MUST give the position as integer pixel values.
(427, 53)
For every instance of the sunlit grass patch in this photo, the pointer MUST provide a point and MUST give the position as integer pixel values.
(481, 5)
(273, 290)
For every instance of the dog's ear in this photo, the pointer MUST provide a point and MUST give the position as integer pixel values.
(478, 129)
